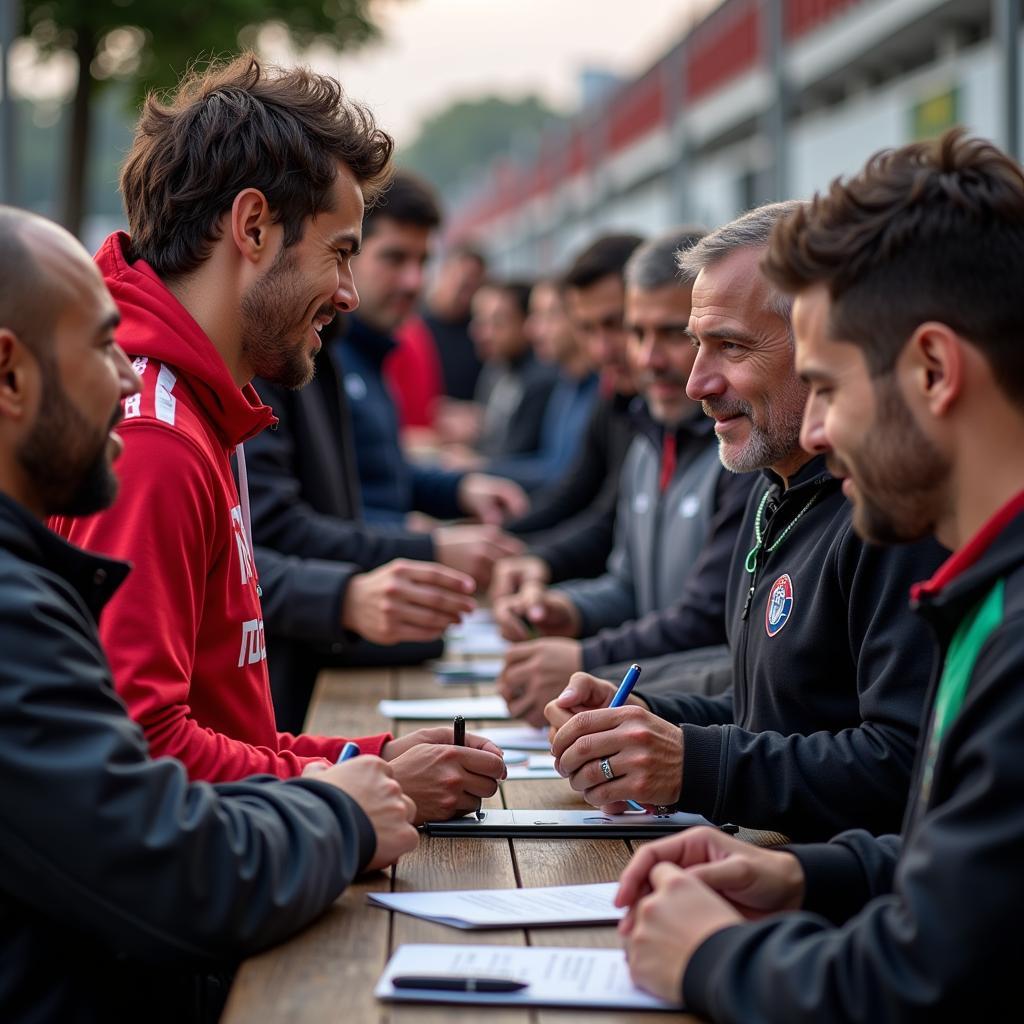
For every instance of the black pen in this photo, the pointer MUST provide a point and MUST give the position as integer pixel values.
(450, 983)
(459, 732)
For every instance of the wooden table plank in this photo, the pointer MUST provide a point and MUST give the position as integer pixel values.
(329, 971)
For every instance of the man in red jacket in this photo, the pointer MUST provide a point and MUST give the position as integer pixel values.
(245, 198)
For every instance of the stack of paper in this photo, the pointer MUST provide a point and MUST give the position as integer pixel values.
(445, 708)
(556, 976)
(556, 905)
(517, 737)
(537, 766)
(477, 634)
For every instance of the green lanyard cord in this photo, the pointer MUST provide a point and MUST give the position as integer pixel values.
(751, 562)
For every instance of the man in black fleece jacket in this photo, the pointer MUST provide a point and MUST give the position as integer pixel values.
(908, 323)
(123, 886)
(829, 667)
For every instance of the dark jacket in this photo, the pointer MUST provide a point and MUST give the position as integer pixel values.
(514, 396)
(460, 365)
(572, 524)
(660, 532)
(120, 881)
(829, 674)
(565, 419)
(931, 923)
(391, 486)
(310, 540)
(697, 617)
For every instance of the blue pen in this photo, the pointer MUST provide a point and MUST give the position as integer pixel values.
(620, 698)
(349, 750)
(625, 687)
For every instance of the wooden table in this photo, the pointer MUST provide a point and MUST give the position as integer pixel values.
(328, 972)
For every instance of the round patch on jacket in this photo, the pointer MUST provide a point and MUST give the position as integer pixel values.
(780, 605)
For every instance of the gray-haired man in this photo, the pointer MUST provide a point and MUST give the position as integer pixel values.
(829, 667)
(678, 510)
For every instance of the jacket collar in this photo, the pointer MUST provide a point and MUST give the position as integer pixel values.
(155, 324)
(695, 426)
(996, 550)
(373, 344)
(94, 578)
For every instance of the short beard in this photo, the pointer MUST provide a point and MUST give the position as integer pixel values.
(900, 475)
(265, 309)
(63, 457)
(768, 443)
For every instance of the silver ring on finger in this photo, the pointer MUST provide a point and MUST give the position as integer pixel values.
(606, 769)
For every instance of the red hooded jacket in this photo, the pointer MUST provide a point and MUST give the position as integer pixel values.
(184, 633)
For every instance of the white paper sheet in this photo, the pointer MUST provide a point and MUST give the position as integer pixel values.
(537, 766)
(509, 908)
(557, 976)
(445, 708)
(481, 643)
(476, 670)
(517, 737)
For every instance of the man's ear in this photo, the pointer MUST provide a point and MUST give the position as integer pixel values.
(19, 373)
(250, 224)
(934, 360)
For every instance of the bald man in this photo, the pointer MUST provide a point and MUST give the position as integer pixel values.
(108, 858)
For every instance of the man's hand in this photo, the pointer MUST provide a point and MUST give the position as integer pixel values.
(492, 499)
(537, 608)
(535, 672)
(510, 574)
(474, 549)
(756, 881)
(406, 601)
(665, 929)
(644, 752)
(445, 780)
(584, 693)
(371, 783)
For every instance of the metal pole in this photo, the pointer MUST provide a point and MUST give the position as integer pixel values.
(1006, 25)
(9, 21)
(776, 116)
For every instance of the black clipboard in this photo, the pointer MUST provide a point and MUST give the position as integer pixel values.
(542, 824)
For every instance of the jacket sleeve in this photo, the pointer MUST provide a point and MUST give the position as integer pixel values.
(302, 597)
(578, 488)
(100, 838)
(609, 599)
(579, 547)
(161, 523)
(942, 942)
(692, 708)
(697, 618)
(283, 520)
(825, 781)
(435, 492)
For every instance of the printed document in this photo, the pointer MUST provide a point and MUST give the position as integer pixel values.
(556, 975)
(509, 908)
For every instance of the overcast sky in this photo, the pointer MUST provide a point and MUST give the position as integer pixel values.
(434, 51)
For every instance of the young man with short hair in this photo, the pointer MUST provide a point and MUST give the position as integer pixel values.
(245, 196)
(908, 331)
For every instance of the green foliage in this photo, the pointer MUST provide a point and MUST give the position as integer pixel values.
(470, 133)
(152, 42)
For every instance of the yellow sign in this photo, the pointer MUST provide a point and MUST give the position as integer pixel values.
(933, 115)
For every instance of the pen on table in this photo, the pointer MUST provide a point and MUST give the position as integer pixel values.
(349, 750)
(459, 731)
(447, 983)
(531, 630)
(620, 698)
